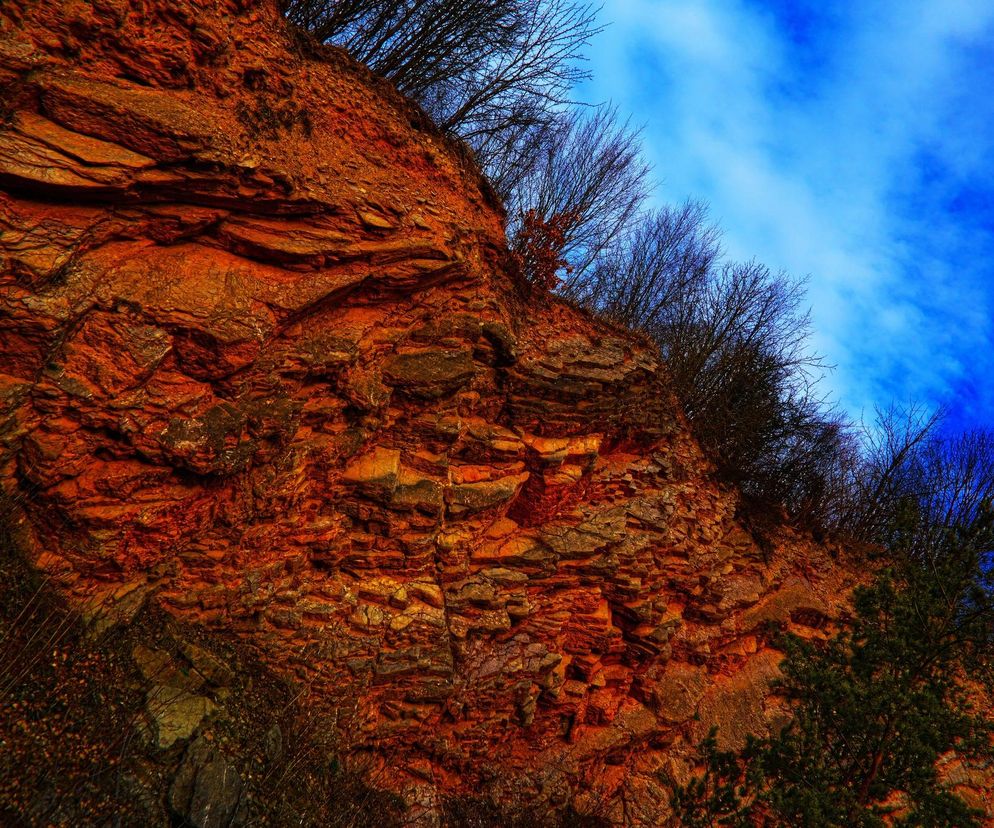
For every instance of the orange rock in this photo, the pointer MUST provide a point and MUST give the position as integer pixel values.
(276, 377)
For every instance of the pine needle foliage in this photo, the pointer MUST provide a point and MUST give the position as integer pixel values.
(875, 707)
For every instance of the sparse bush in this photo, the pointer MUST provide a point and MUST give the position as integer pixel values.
(812, 476)
(76, 740)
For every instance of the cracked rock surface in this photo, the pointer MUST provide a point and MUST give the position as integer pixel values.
(262, 363)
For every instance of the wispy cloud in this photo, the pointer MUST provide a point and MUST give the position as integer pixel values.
(851, 142)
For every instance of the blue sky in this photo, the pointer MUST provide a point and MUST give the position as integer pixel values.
(849, 142)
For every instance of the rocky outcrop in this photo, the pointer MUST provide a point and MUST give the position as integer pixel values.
(262, 364)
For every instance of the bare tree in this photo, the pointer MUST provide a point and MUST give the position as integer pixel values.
(509, 155)
(491, 71)
(739, 320)
(945, 489)
(877, 481)
(959, 475)
(646, 270)
(815, 468)
(588, 174)
(418, 44)
(735, 339)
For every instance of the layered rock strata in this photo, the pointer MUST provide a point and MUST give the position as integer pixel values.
(262, 362)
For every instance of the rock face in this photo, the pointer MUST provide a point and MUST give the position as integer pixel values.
(261, 362)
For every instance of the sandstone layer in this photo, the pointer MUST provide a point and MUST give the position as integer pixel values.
(262, 363)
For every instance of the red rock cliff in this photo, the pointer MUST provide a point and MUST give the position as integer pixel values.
(261, 363)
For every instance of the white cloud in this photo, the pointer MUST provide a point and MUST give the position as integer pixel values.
(816, 166)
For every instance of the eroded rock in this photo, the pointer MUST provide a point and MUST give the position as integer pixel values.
(278, 380)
